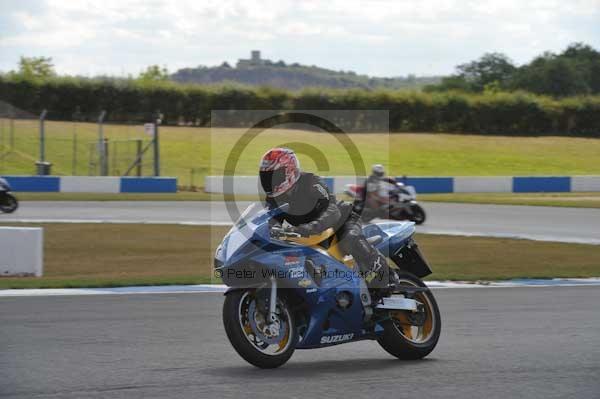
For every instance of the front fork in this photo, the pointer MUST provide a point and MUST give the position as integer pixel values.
(272, 317)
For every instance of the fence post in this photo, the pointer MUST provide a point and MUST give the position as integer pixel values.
(11, 125)
(1, 145)
(74, 164)
(106, 155)
(101, 147)
(43, 136)
(157, 122)
(138, 156)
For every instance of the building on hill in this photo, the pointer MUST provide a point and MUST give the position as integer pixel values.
(253, 61)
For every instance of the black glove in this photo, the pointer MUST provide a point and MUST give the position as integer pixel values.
(306, 229)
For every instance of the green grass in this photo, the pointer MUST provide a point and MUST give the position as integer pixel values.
(184, 149)
(92, 255)
(99, 282)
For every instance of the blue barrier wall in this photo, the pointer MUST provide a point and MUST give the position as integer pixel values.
(434, 184)
(35, 184)
(329, 181)
(429, 184)
(525, 184)
(108, 184)
(148, 185)
(541, 184)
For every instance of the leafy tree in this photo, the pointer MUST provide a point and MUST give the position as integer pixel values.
(491, 67)
(36, 68)
(551, 74)
(581, 51)
(575, 71)
(492, 70)
(154, 73)
(587, 61)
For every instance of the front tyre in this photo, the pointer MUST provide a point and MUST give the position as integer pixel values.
(8, 203)
(408, 335)
(418, 214)
(261, 344)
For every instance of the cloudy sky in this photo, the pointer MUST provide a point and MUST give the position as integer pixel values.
(382, 38)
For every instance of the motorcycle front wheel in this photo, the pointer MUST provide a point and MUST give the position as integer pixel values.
(264, 345)
(418, 214)
(408, 335)
(8, 203)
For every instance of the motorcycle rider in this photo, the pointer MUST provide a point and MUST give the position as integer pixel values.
(313, 209)
(375, 193)
(374, 184)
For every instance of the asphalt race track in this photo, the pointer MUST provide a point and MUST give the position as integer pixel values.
(541, 223)
(532, 342)
(496, 343)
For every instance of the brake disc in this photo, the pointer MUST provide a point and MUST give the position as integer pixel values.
(272, 333)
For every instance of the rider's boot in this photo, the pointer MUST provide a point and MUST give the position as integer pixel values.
(379, 278)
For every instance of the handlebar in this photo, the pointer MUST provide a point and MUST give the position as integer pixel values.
(281, 233)
(288, 234)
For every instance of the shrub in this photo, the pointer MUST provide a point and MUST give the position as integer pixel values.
(128, 100)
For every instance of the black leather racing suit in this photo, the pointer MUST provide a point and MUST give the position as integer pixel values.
(313, 207)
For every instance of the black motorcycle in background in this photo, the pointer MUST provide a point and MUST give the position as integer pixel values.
(8, 202)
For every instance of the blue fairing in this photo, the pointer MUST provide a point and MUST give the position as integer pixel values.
(394, 234)
(248, 244)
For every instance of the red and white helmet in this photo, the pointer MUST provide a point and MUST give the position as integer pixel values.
(279, 171)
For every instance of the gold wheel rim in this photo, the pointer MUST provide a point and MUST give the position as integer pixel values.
(415, 334)
(250, 335)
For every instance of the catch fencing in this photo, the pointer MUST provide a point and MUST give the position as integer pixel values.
(89, 145)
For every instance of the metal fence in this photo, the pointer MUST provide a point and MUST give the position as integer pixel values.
(31, 144)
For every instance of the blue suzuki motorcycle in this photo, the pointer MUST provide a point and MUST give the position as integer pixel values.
(288, 292)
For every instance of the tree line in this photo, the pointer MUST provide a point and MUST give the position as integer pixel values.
(518, 113)
(574, 71)
(479, 103)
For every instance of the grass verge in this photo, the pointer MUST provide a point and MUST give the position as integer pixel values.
(191, 153)
(179, 196)
(91, 255)
(572, 200)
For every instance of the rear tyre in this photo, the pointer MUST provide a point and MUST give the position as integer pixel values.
(8, 203)
(418, 214)
(411, 336)
(249, 334)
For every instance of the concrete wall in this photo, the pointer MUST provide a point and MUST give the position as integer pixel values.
(21, 251)
(501, 184)
(585, 183)
(463, 184)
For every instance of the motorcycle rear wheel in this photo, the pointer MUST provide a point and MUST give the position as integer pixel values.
(402, 338)
(243, 334)
(8, 203)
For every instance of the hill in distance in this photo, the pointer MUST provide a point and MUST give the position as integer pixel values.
(257, 71)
